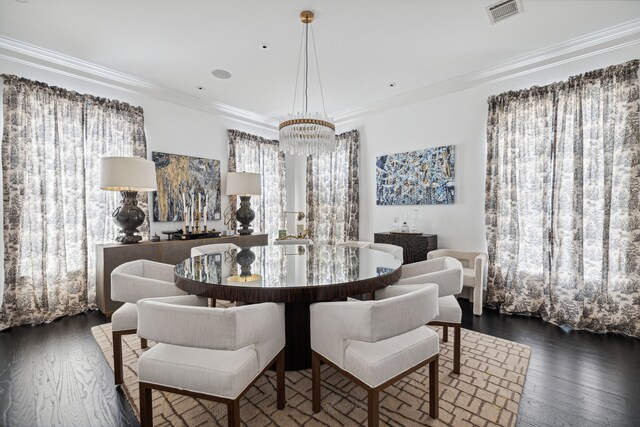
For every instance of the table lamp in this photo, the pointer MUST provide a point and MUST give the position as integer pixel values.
(128, 175)
(245, 185)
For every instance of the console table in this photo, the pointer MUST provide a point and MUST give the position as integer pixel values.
(415, 246)
(111, 255)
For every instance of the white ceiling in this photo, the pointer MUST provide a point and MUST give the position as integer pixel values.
(362, 44)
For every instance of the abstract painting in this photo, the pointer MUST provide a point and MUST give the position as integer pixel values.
(178, 175)
(424, 177)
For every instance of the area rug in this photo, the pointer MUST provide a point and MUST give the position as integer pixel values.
(486, 393)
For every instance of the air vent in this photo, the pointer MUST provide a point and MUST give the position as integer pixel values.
(503, 10)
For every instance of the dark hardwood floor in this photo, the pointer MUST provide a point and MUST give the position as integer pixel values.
(56, 375)
(575, 378)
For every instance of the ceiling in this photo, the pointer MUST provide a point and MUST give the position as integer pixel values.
(363, 45)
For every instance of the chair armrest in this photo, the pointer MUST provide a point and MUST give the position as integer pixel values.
(263, 326)
(129, 288)
(187, 300)
(397, 290)
(158, 270)
(449, 281)
(468, 256)
(421, 267)
(332, 323)
(481, 261)
(430, 306)
(437, 253)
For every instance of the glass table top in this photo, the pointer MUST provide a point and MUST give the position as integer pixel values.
(288, 266)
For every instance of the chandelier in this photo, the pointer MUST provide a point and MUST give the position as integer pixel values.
(305, 133)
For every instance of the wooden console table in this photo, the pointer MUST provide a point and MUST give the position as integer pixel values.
(111, 255)
(415, 246)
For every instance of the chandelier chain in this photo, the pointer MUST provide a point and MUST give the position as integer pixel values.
(315, 52)
(295, 88)
(306, 68)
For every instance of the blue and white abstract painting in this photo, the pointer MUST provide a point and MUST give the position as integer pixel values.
(424, 177)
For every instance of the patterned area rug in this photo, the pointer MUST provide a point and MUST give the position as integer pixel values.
(486, 393)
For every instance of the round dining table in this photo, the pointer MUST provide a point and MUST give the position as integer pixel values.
(296, 275)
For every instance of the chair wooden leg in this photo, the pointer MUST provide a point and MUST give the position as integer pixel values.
(456, 349)
(117, 357)
(143, 343)
(282, 400)
(146, 407)
(233, 413)
(373, 402)
(434, 389)
(315, 378)
(445, 334)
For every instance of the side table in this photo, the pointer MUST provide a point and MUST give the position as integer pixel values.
(415, 246)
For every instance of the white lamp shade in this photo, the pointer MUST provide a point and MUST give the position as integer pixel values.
(243, 184)
(127, 174)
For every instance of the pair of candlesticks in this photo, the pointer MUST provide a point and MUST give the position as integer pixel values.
(192, 213)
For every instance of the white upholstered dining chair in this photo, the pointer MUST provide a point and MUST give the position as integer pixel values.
(475, 266)
(208, 353)
(375, 343)
(213, 248)
(446, 272)
(131, 282)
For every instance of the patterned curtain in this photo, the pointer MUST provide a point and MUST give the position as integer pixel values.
(563, 201)
(54, 211)
(333, 204)
(251, 153)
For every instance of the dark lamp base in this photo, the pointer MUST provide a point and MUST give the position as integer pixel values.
(245, 215)
(129, 217)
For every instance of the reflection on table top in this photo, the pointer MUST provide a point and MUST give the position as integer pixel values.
(287, 266)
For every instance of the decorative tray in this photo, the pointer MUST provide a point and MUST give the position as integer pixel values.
(408, 233)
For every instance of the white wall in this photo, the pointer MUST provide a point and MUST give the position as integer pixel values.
(169, 127)
(458, 119)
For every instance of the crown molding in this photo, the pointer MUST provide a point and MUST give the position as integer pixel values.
(612, 38)
(595, 43)
(45, 59)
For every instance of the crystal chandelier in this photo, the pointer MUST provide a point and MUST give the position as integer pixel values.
(306, 133)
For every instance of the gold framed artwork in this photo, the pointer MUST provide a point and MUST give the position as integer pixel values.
(179, 175)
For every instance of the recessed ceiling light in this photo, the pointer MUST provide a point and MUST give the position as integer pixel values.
(264, 46)
(200, 87)
(391, 84)
(221, 74)
(22, 1)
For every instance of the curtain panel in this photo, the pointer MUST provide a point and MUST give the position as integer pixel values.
(333, 180)
(54, 212)
(251, 153)
(563, 201)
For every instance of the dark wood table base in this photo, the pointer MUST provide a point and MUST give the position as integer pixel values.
(297, 351)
